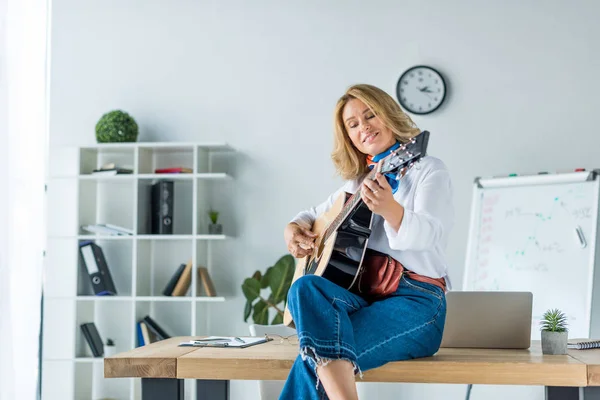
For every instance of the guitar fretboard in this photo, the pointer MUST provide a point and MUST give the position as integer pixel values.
(403, 157)
(349, 206)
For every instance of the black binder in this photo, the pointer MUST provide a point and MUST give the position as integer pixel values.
(155, 328)
(93, 338)
(171, 285)
(162, 207)
(93, 259)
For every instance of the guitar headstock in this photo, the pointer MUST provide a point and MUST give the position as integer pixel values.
(407, 155)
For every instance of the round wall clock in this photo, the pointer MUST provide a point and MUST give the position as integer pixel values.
(421, 90)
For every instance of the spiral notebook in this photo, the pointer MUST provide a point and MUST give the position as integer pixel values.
(584, 344)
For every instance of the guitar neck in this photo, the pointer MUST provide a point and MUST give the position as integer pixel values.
(350, 205)
(401, 159)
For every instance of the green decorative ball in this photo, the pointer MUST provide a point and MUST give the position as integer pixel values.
(116, 126)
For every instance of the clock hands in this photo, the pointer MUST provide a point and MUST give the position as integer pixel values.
(425, 90)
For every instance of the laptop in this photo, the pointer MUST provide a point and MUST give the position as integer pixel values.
(488, 320)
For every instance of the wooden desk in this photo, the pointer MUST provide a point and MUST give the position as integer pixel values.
(163, 366)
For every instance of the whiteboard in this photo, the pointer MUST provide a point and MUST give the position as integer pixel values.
(524, 236)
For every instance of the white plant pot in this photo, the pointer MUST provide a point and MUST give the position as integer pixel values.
(554, 342)
(109, 351)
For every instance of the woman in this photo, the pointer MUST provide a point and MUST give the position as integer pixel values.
(340, 333)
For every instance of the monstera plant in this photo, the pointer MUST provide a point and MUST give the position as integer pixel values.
(268, 291)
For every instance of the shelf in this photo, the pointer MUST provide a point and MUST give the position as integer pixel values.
(89, 359)
(206, 299)
(101, 298)
(129, 177)
(114, 178)
(166, 176)
(164, 237)
(101, 237)
(213, 175)
(203, 175)
(160, 145)
(141, 237)
(141, 264)
(78, 359)
(210, 237)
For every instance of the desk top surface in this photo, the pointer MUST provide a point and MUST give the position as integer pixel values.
(272, 360)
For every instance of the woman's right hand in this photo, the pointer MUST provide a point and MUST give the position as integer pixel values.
(300, 241)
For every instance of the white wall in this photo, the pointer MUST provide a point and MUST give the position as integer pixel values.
(264, 77)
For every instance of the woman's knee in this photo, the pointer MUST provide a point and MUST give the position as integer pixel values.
(304, 287)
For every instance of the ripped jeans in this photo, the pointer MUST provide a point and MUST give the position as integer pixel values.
(333, 323)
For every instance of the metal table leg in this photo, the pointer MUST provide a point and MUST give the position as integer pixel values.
(212, 390)
(162, 389)
(572, 393)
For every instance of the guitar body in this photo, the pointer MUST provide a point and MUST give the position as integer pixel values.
(339, 257)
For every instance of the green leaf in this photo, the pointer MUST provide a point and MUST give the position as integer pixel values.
(264, 283)
(281, 277)
(257, 275)
(277, 320)
(251, 289)
(247, 310)
(554, 320)
(261, 313)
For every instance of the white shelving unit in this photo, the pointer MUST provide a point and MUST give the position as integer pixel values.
(141, 264)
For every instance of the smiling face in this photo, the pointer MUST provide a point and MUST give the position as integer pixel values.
(366, 130)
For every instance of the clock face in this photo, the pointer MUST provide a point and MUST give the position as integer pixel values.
(421, 90)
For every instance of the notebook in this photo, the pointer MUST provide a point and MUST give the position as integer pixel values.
(225, 341)
(582, 344)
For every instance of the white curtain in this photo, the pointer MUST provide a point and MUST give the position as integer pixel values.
(23, 138)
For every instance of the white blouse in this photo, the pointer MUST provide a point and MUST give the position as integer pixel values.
(426, 194)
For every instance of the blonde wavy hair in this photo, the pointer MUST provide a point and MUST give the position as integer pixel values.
(349, 162)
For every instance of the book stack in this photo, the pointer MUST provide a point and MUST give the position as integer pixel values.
(111, 169)
(107, 229)
(180, 281)
(148, 331)
(174, 170)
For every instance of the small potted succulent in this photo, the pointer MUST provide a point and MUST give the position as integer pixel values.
(109, 348)
(214, 228)
(554, 332)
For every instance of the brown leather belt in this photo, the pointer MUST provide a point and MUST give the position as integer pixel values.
(439, 282)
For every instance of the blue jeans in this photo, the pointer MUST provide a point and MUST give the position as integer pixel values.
(333, 323)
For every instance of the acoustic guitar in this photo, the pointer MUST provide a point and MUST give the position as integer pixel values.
(343, 231)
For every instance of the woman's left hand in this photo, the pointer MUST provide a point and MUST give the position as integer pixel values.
(378, 196)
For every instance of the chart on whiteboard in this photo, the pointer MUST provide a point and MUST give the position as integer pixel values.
(538, 239)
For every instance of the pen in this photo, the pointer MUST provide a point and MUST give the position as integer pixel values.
(239, 340)
(215, 344)
(580, 236)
